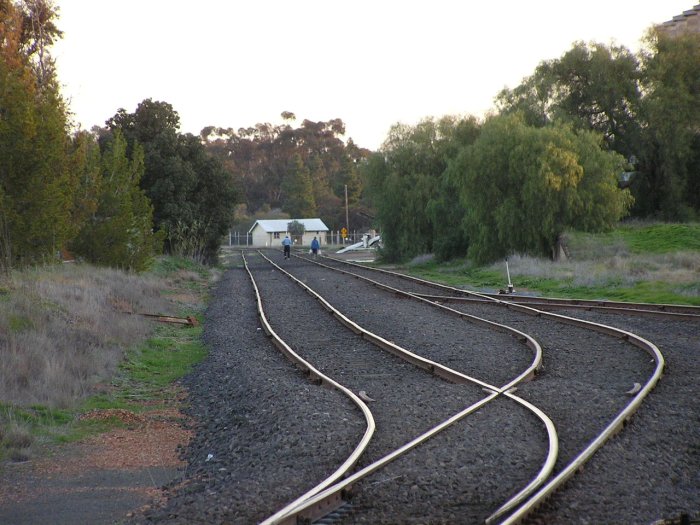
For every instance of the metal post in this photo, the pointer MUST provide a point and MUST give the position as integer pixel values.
(347, 220)
(510, 284)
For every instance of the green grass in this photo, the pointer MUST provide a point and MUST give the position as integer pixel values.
(20, 323)
(648, 263)
(146, 375)
(662, 238)
(167, 266)
(84, 428)
(641, 238)
(165, 358)
(23, 428)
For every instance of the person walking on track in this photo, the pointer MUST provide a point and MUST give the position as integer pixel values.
(287, 243)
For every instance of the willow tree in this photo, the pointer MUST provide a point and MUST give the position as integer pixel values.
(414, 204)
(522, 186)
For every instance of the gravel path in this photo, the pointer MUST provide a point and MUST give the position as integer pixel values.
(264, 428)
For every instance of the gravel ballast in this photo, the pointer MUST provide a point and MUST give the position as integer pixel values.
(262, 429)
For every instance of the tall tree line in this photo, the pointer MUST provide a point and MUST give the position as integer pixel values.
(112, 196)
(646, 108)
(551, 158)
(304, 170)
(36, 184)
(192, 193)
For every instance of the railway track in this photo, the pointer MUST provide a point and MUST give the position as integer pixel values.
(398, 438)
(267, 436)
(614, 424)
(452, 294)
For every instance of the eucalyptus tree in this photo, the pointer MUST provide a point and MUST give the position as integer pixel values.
(265, 161)
(298, 191)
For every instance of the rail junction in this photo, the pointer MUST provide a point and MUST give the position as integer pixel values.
(448, 406)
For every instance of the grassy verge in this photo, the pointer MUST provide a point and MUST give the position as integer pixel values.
(140, 379)
(652, 263)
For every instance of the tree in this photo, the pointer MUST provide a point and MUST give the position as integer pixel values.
(668, 182)
(35, 182)
(265, 160)
(296, 229)
(522, 186)
(645, 107)
(214, 197)
(86, 174)
(592, 86)
(405, 181)
(193, 195)
(120, 231)
(298, 191)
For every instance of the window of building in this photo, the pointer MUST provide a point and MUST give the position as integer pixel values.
(276, 235)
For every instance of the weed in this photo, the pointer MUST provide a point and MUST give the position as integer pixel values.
(18, 437)
(18, 323)
(64, 334)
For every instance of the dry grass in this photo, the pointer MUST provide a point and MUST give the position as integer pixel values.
(680, 268)
(64, 328)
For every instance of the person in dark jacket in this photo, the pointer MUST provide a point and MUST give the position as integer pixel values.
(315, 245)
(287, 243)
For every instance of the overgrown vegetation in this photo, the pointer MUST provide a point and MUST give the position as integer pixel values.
(551, 158)
(112, 196)
(72, 340)
(638, 262)
(547, 159)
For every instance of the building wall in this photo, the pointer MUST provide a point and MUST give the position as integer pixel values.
(263, 239)
(309, 236)
(688, 22)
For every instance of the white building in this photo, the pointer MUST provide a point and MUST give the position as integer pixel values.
(269, 233)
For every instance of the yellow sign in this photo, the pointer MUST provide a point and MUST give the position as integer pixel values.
(344, 233)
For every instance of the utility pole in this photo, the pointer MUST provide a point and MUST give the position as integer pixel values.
(347, 221)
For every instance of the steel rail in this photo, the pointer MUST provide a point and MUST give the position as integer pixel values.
(321, 502)
(670, 309)
(314, 506)
(613, 428)
(322, 379)
(679, 311)
(522, 337)
(561, 304)
(617, 423)
(432, 366)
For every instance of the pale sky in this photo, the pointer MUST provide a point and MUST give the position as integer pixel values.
(371, 63)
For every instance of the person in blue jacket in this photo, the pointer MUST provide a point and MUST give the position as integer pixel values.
(287, 243)
(315, 245)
